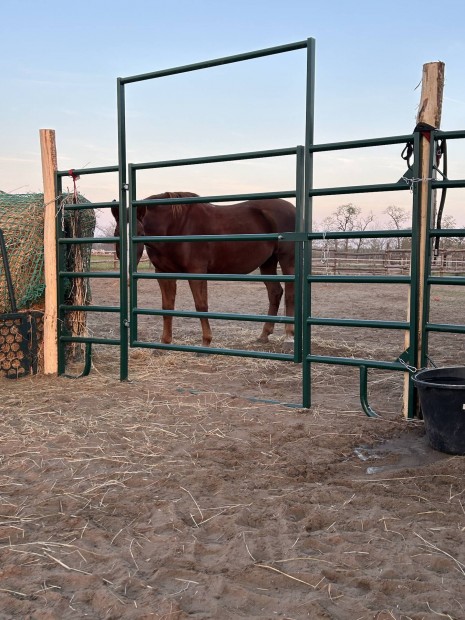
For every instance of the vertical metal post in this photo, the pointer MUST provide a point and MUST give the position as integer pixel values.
(428, 247)
(123, 281)
(298, 245)
(308, 204)
(415, 253)
(133, 282)
(61, 265)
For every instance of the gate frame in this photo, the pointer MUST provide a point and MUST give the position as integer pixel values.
(302, 237)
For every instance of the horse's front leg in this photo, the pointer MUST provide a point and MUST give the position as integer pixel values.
(168, 298)
(200, 294)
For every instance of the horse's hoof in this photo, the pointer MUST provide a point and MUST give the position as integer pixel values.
(288, 344)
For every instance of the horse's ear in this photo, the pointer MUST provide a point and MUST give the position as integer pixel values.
(141, 211)
(115, 213)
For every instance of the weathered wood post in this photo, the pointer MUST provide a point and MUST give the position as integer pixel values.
(428, 118)
(49, 168)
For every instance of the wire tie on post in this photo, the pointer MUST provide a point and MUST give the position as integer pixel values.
(412, 182)
(75, 178)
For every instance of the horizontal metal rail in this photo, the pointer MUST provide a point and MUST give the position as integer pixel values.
(450, 135)
(89, 205)
(258, 318)
(359, 323)
(80, 172)
(82, 240)
(355, 361)
(360, 279)
(446, 280)
(215, 351)
(448, 183)
(214, 159)
(360, 189)
(445, 327)
(357, 144)
(88, 274)
(447, 232)
(222, 238)
(78, 308)
(219, 198)
(360, 234)
(91, 340)
(218, 277)
(214, 63)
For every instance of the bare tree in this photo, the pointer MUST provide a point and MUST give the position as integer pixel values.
(398, 220)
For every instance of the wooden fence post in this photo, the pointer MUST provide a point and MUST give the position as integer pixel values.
(49, 168)
(428, 117)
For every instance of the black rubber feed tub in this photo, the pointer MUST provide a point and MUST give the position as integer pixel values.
(442, 399)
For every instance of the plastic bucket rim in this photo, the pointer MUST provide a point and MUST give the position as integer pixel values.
(437, 384)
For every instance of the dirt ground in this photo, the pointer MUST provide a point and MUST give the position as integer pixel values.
(193, 492)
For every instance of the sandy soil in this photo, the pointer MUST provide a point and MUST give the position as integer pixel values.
(185, 493)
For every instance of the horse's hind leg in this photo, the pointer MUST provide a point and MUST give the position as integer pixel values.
(275, 293)
(200, 294)
(286, 261)
(168, 298)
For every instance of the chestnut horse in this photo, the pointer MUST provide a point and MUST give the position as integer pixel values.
(217, 257)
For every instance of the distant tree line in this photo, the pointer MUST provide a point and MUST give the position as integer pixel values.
(350, 218)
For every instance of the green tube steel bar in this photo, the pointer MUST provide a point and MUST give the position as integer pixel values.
(357, 144)
(230, 277)
(90, 205)
(86, 171)
(214, 63)
(226, 316)
(219, 198)
(89, 240)
(213, 351)
(76, 308)
(60, 286)
(447, 232)
(445, 327)
(447, 280)
(308, 213)
(213, 159)
(423, 311)
(449, 183)
(450, 135)
(299, 254)
(359, 323)
(133, 282)
(360, 189)
(88, 274)
(360, 279)
(93, 340)
(364, 393)
(204, 238)
(361, 234)
(354, 361)
(123, 221)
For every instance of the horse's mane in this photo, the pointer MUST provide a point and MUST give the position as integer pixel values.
(177, 208)
(174, 195)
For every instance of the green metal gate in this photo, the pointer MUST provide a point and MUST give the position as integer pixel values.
(303, 237)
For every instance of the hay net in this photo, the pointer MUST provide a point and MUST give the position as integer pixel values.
(22, 222)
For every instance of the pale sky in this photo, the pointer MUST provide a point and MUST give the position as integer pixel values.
(60, 61)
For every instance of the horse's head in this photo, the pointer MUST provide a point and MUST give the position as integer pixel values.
(139, 232)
